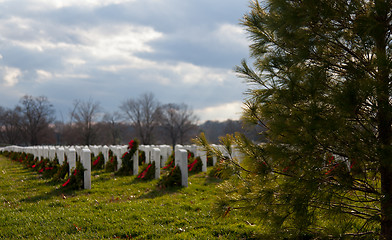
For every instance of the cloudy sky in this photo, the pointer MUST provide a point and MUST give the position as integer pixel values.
(183, 51)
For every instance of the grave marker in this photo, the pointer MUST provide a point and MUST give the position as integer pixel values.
(86, 161)
(156, 152)
(181, 161)
(71, 156)
(60, 155)
(135, 162)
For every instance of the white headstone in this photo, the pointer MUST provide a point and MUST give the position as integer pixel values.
(36, 152)
(203, 156)
(157, 160)
(71, 156)
(237, 153)
(119, 155)
(105, 152)
(78, 150)
(60, 155)
(165, 153)
(181, 161)
(46, 152)
(86, 161)
(147, 151)
(52, 153)
(135, 162)
(194, 150)
(40, 152)
(178, 147)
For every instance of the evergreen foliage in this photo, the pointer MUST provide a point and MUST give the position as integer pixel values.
(62, 172)
(142, 158)
(98, 162)
(171, 179)
(195, 165)
(147, 171)
(76, 180)
(111, 165)
(169, 162)
(127, 159)
(321, 87)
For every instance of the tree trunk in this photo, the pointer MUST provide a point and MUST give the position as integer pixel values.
(386, 204)
(384, 116)
(384, 136)
(385, 159)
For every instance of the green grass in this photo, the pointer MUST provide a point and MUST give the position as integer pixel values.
(116, 207)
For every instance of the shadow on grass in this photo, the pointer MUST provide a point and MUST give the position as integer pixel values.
(154, 193)
(55, 193)
(97, 177)
(212, 180)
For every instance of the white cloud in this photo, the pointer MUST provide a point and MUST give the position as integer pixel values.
(221, 112)
(32, 34)
(232, 34)
(74, 61)
(104, 41)
(181, 72)
(193, 74)
(10, 76)
(132, 62)
(43, 75)
(120, 41)
(69, 75)
(37, 5)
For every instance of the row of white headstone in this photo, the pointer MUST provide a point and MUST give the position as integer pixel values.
(154, 153)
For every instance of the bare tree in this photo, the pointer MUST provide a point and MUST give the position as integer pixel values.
(37, 114)
(85, 115)
(11, 122)
(144, 114)
(113, 127)
(2, 114)
(178, 120)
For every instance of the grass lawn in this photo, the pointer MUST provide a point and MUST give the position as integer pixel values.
(116, 207)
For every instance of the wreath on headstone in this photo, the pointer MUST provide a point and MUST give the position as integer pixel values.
(50, 168)
(76, 180)
(147, 171)
(127, 159)
(111, 165)
(142, 157)
(40, 164)
(169, 163)
(224, 170)
(97, 162)
(210, 160)
(62, 171)
(195, 165)
(171, 179)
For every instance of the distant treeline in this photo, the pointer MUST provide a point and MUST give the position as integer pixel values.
(32, 122)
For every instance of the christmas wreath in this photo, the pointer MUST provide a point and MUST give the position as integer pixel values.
(127, 159)
(50, 168)
(111, 165)
(62, 171)
(97, 162)
(224, 170)
(147, 172)
(75, 180)
(171, 179)
(195, 165)
(170, 162)
(142, 158)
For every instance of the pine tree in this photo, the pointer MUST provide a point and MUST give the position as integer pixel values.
(321, 85)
